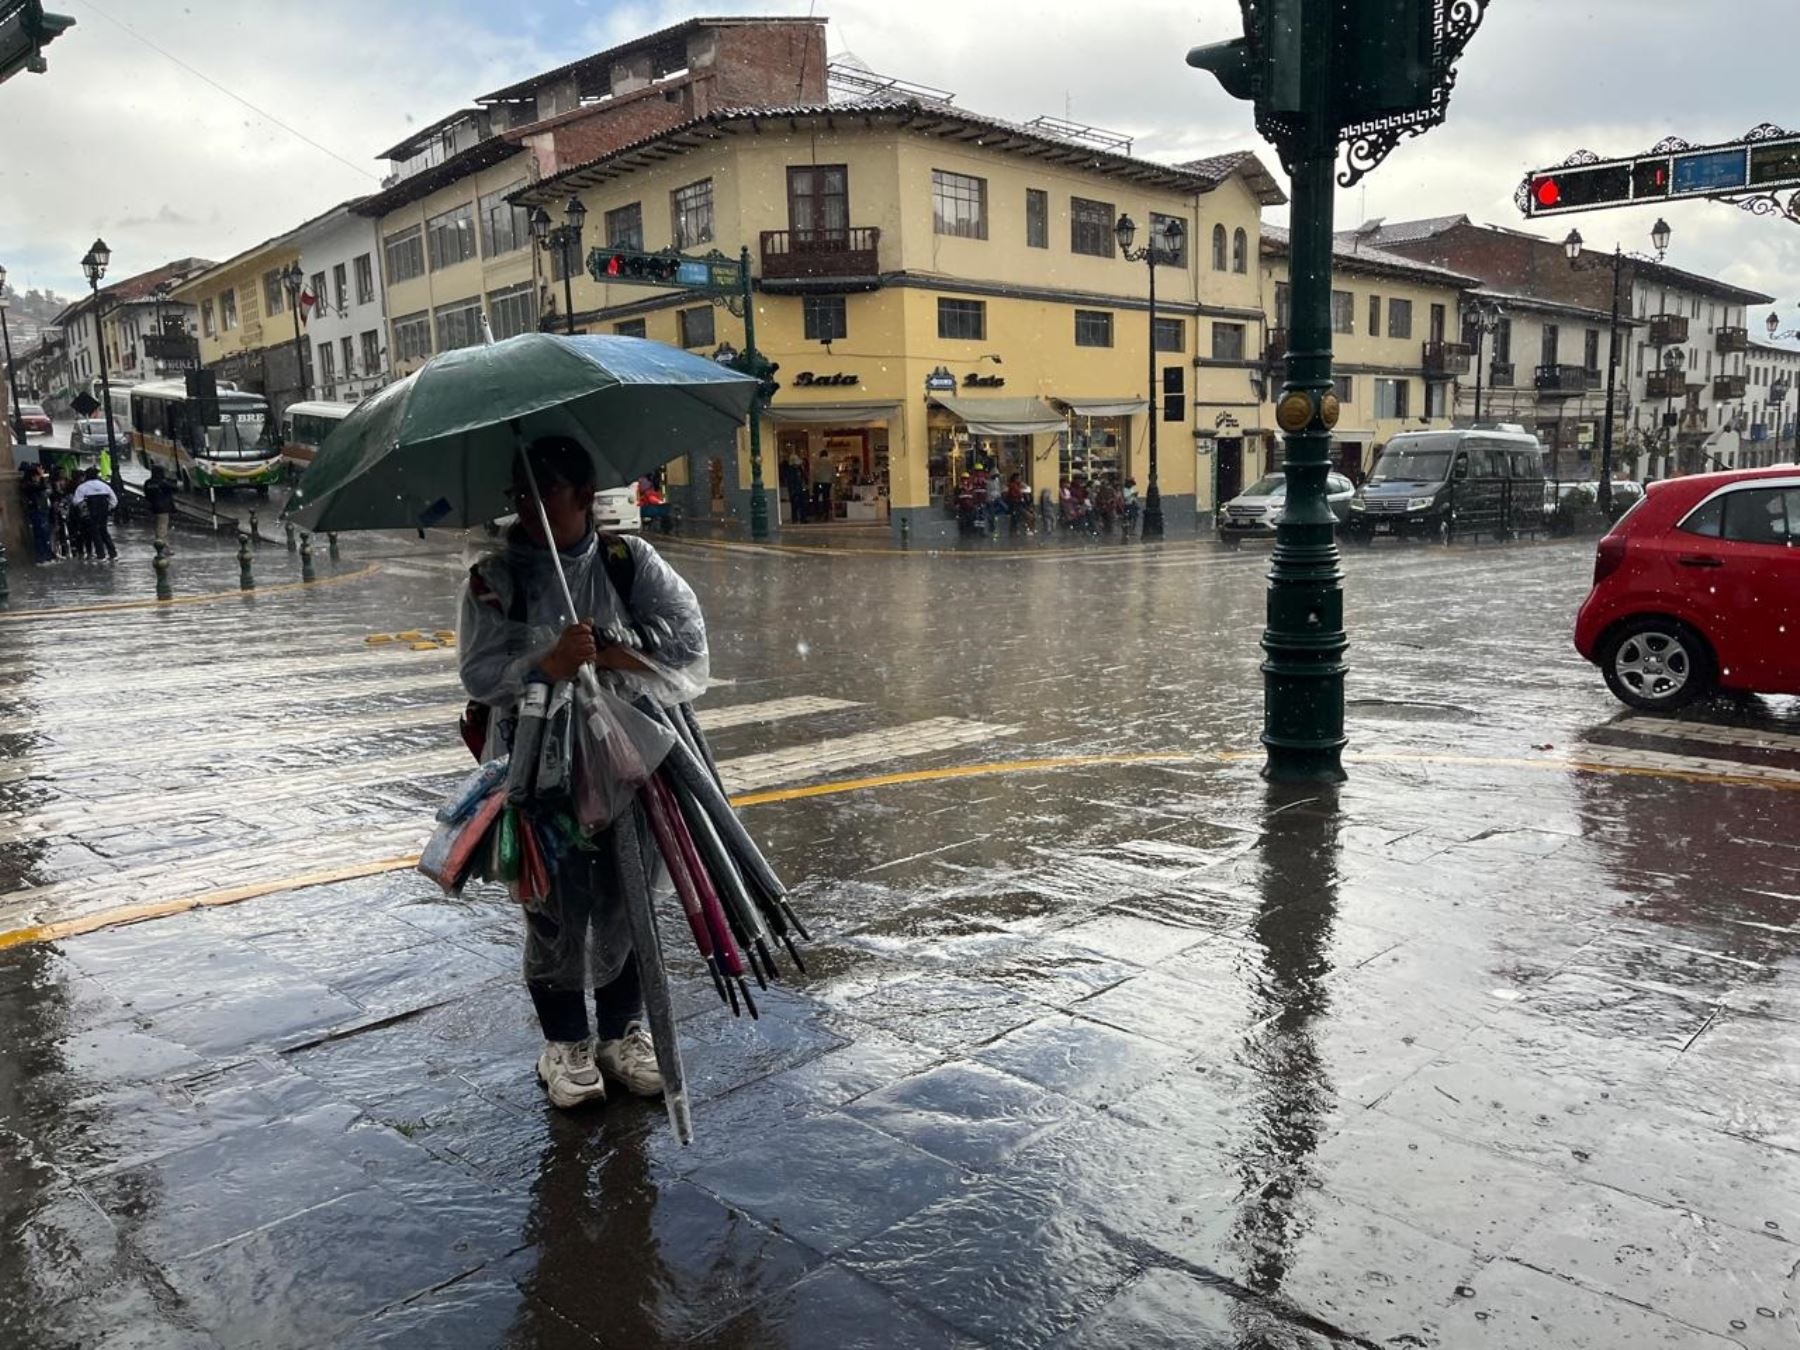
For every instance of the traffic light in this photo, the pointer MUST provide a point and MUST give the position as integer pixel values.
(628, 265)
(1263, 66)
(1574, 189)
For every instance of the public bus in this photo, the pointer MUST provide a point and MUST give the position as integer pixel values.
(304, 427)
(240, 452)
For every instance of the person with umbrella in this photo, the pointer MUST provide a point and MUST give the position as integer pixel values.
(515, 630)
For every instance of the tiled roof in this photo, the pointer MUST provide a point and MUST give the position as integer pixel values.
(931, 119)
(1380, 233)
(1275, 240)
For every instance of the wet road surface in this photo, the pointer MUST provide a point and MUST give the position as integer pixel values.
(1103, 1043)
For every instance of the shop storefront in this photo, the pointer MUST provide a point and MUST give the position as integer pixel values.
(1000, 436)
(833, 461)
(1098, 446)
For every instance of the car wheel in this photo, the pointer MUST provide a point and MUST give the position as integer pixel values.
(1657, 665)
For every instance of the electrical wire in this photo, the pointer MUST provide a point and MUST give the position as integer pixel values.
(236, 97)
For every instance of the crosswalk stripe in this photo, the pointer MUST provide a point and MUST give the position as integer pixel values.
(1749, 738)
(818, 759)
(100, 679)
(1616, 757)
(209, 749)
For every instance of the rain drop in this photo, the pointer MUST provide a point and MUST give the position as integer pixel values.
(1738, 1324)
(1465, 1291)
(803, 648)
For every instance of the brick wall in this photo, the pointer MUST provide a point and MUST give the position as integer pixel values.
(1514, 262)
(747, 66)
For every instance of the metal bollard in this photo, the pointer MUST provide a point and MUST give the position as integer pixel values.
(165, 590)
(331, 541)
(306, 558)
(246, 582)
(5, 585)
(905, 531)
(292, 545)
(255, 533)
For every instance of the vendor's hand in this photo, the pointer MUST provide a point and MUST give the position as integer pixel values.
(620, 658)
(573, 650)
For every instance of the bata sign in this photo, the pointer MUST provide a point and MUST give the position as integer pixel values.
(806, 379)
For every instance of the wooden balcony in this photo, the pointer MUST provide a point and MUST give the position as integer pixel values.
(848, 255)
(1731, 339)
(1668, 330)
(1665, 384)
(1444, 360)
(1561, 381)
(1500, 374)
(1729, 387)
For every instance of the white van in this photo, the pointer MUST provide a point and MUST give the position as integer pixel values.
(616, 509)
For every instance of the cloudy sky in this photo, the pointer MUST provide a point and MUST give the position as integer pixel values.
(257, 114)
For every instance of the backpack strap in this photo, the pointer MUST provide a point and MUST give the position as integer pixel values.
(621, 567)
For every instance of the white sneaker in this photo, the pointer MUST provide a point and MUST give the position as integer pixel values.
(631, 1060)
(566, 1069)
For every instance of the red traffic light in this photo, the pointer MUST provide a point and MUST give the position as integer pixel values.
(613, 265)
(1545, 192)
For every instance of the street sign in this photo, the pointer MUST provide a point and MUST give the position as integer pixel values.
(203, 398)
(84, 404)
(1765, 161)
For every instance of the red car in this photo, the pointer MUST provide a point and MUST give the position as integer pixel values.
(32, 419)
(1697, 588)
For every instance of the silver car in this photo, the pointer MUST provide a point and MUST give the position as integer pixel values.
(1254, 510)
(88, 437)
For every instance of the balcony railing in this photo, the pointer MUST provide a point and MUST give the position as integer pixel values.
(1500, 374)
(1729, 387)
(1668, 330)
(1731, 339)
(1665, 384)
(1561, 381)
(806, 255)
(1447, 358)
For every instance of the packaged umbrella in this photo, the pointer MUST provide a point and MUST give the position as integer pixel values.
(450, 856)
(461, 804)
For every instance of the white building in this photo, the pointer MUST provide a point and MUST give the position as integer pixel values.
(1774, 397)
(346, 333)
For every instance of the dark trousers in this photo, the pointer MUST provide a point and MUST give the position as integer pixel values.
(562, 1013)
(97, 525)
(40, 534)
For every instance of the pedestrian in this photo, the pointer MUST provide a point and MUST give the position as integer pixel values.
(1130, 498)
(1018, 503)
(1047, 510)
(159, 498)
(996, 503)
(34, 495)
(514, 632)
(94, 502)
(60, 530)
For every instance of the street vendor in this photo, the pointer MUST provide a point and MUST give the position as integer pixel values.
(514, 631)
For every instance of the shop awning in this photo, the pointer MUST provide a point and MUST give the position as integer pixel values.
(1105, 407)
(1005, 416)
(835, 414)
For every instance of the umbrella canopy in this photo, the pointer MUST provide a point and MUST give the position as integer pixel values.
(437, 447)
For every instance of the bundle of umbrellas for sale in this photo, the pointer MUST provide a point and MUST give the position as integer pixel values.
(437, 449)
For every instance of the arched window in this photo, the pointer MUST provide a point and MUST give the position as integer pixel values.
(1218, 248)
(1240, 252)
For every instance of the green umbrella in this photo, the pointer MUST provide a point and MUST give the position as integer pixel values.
(437, 448)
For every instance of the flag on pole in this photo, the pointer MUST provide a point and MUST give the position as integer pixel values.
(308, 303)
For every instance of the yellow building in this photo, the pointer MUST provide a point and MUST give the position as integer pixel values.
(1396, 352)
(942, 292)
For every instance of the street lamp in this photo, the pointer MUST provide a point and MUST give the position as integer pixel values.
(562, 242)
(93, 265)
(1659, 240)
(1484, 316)
(1674, 361)
(12, 375)
(1776, 334)
(292, 279)
(1165, 240)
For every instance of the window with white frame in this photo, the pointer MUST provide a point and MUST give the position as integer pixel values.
(365, 279)
(412, 337)
(625, 227)
(958, 205)
(347, 346)
(272, 292)
(450, 237)
(513, 311)
(403, 255)
(1093, 328)
(691, 208)
(371, 352)
(504, 227)
(1391, 398)
(1399, 319)
(825, 318)
(206, 318)
(1091, 227)
(457, 324)
(228, 310)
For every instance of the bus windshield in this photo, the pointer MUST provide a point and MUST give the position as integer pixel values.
(240, 435)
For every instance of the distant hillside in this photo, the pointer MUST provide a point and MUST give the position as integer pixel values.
(28, 311)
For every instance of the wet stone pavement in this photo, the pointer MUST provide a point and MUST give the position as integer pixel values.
(1102, 1042)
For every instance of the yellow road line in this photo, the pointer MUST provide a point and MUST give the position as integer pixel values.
(164, 908)
(729, 546)
(205, 598)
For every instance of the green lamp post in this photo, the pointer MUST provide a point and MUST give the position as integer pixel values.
(1323, 72)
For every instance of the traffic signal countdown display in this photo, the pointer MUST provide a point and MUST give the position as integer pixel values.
(1708, 171)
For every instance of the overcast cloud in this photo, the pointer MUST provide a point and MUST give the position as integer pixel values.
(120, 141)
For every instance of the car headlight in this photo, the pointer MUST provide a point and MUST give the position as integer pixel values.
(1419, 503)
(1358, 504)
